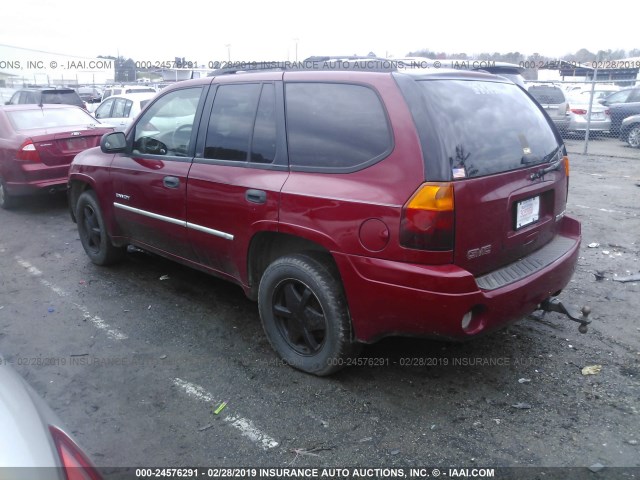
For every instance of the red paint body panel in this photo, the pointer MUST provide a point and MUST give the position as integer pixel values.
(394, 298)
(217, 200)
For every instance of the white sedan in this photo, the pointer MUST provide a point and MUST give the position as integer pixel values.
(119, 111)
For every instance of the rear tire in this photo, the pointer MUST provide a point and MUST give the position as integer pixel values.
(6, 201)
(633, 136)
(305, 314)
(93, 232)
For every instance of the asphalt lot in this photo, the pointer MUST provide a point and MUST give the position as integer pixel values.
(135, 359)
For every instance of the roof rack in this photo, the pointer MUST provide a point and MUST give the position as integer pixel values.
(346, 63)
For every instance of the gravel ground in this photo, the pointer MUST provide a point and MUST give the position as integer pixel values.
(137, 365)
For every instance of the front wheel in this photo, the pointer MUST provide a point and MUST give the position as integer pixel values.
(305, 315)
(633, 137)
(93, 232)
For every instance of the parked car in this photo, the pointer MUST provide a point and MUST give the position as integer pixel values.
(90, 94)
(35, 444)
(46, 96)
(600, 92)
(37, 144)
(578, 110)
(352, 205)
(552, 98)
(622, 104)
(630, 131)
(119, 110)
(126, 89)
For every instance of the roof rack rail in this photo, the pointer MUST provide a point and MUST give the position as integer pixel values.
(350, 63)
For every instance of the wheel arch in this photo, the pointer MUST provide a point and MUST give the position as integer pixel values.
(265, 247)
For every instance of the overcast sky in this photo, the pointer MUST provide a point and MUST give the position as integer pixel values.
(267, 30)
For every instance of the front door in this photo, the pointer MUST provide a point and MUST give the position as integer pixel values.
(150, 180)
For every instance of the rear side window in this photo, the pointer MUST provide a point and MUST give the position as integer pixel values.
(242, 126)
(485, 127)
(547, 95)
(231, 122)
(335, 127)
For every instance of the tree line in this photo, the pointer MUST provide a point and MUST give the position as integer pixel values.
(583, 56)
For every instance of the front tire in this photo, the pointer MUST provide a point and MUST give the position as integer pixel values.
(93, 232)
(305, 314)
(633, 137)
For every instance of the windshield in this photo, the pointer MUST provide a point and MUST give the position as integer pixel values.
(487, 127)
(49, 117)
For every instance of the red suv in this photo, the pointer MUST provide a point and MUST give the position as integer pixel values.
(352, 205)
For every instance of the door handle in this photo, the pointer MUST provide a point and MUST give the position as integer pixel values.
(256, 196)
(171, 182)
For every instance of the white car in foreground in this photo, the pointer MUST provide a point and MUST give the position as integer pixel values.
(33, 444)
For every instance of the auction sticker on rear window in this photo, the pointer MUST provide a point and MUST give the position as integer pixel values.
(527, 212)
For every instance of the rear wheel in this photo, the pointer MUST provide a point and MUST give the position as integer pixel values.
(305, 315)
(93, 232)
(633, 137)
(6, 201)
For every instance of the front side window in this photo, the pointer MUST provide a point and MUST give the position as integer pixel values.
(619, 97)
(335, 127)
(165, 128)
(634, 97)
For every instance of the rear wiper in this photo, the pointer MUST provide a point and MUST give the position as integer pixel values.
(542, 172)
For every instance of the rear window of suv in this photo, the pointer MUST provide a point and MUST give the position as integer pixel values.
(483, 127)
(547, 95)
(68, 97)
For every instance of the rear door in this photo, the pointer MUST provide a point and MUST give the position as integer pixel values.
(507, 167)
(235, 181)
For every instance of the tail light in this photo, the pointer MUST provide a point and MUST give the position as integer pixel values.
(607, 112)
(75, 464)
(427, 221)
(579, 111)
(28, 152)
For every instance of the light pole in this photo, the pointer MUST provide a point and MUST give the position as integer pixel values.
(228, 45)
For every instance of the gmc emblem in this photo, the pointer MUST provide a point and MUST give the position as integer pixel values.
(478, 252)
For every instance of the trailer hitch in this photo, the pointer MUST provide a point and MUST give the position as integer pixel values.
(556, 305)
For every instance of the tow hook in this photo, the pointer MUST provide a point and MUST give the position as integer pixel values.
(556, 305)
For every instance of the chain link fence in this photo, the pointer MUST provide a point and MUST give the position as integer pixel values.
(597, 117)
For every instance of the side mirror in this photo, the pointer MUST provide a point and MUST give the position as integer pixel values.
(114, 142)
(602, 101)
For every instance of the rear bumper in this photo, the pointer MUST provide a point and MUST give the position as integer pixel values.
(30, 178)
(579, 123)
(394, 298)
